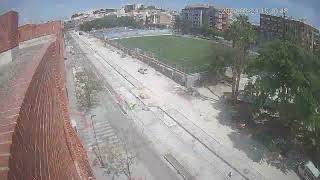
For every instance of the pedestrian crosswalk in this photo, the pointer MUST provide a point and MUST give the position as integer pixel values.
(101, 133)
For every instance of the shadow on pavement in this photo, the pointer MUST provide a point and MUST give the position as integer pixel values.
(247, 138)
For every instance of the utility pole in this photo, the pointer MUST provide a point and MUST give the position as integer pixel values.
(284, 25)
(312, 39)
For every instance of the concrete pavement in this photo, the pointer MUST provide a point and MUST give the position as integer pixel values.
(109, 122)
(191, 154)
(121, 73)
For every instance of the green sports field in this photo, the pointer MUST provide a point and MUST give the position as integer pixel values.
(189, 52)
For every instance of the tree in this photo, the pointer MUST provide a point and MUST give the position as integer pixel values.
(317, 52)
(222, 58)
(119, 160)
(205, 30)
(242, 35)
(141, 8)
(87, 88)
(186, 26)
(109, 22)
(76, 15)
(151, 7)
(284, 82)
(178, 23)
(182, 25)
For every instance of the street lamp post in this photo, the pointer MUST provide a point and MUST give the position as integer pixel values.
(97, 144)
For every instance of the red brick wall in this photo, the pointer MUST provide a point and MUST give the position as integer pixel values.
(8, 31)
(36, 137)
(39, 147)
(30, 31)
(25, 32)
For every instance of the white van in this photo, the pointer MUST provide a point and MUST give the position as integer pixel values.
(308, 171)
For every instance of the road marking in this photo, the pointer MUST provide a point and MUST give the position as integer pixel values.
(180, 169)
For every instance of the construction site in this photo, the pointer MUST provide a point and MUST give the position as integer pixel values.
(136, 93)
(185, 129)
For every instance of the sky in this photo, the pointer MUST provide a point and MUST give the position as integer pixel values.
(36, 11)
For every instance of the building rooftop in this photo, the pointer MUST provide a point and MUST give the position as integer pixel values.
(197, 6)
(291, 20)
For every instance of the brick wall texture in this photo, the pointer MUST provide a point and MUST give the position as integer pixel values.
(30, 31)
(8, 31)
(37, 141)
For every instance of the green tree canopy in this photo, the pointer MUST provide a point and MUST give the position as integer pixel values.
(242, 35)
(109, 22)
(222, 58)
(285, 78)
(76, 15)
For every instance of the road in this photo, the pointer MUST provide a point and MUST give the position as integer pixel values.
(109, 122)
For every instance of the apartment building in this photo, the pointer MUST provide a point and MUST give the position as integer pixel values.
(161, 19)
(132, 7)
(221, 20)
(275, 27)
(200, 14)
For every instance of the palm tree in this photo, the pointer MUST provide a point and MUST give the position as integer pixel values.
(242, 35)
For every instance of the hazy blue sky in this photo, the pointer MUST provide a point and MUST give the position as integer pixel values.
(43, 10)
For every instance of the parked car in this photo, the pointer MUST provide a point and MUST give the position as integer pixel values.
(308, 171)
(143, 70)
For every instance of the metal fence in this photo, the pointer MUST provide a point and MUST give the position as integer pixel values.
(121, 33)
(186, 67)
(184, 74)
